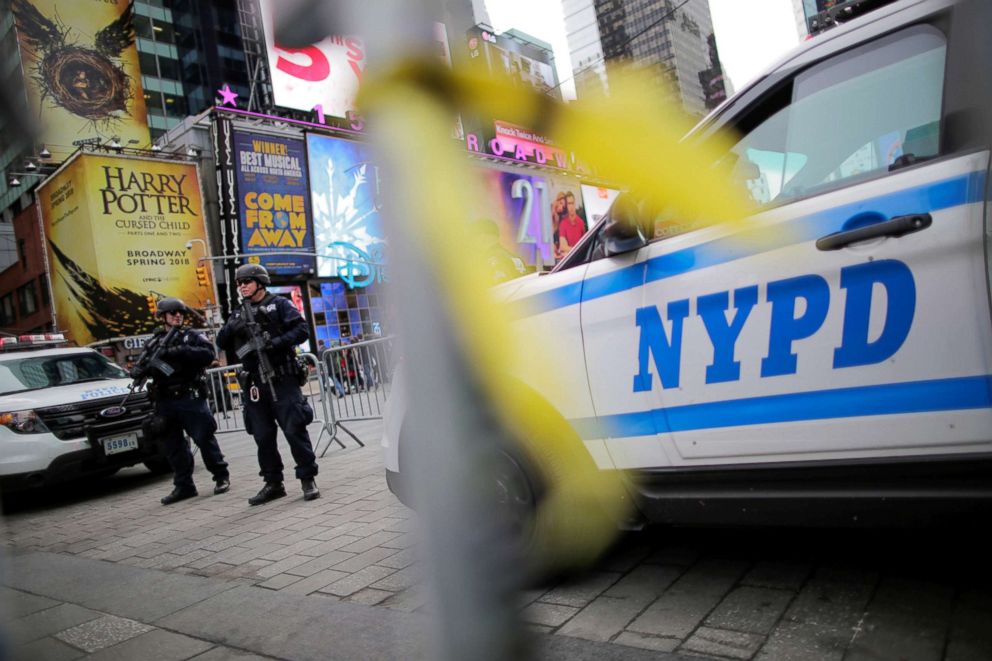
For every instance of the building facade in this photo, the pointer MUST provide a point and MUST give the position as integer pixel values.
(188, 49)
(25, 304)
(671, 41)
(585, 47)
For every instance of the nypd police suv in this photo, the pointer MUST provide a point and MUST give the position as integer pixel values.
(830, 357)
(61, 415)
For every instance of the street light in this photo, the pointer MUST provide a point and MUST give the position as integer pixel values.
(189, 246)
(33, 167)
(212, 310)
(14, 182)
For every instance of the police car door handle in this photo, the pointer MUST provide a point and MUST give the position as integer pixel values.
(897, 226)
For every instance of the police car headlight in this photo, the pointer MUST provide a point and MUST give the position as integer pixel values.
(23, 422)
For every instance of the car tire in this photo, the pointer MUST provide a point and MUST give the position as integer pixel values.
(569, 510)
(158, 465)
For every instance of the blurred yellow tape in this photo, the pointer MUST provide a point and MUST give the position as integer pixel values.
(633, 138)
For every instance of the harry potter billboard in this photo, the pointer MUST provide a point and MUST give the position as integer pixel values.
(116, 231)
(81, 71)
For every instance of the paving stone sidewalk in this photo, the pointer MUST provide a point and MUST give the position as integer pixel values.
(59, 607)
(736, 597)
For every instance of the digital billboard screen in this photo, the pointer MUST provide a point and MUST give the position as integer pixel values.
(349, 236)
(327, 73)
(540, 217)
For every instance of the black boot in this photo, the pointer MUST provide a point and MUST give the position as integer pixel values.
(179, 493)
(310, 491)
(270, 491)
(223, 486)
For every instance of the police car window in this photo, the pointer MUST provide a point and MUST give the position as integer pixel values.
(44, 372)
(870, 110)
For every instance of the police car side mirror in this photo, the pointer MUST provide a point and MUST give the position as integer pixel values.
(622, 236)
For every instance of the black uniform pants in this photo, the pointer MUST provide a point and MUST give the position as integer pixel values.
(191, 414)
(292, 414)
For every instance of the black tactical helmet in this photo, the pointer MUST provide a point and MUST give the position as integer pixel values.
(170, 304)
(254, 272)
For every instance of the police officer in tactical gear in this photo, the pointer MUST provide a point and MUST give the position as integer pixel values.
(180, 401)
(282, 327)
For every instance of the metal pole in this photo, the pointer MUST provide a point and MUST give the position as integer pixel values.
(473, 576)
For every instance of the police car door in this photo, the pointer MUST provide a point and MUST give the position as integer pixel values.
(611, 290)
(850, 320)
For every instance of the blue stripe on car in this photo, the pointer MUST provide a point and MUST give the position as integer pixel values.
(972, 392)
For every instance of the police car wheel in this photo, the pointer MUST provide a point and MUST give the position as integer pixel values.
(576, 506)
(158, 465)
(515, 498)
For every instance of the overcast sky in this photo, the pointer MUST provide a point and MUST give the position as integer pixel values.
(751, 34)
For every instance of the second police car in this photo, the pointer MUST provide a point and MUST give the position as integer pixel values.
(61, 415)
(831, 358)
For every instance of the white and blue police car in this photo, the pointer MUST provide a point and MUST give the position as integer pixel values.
(61, 415)
(830, 360)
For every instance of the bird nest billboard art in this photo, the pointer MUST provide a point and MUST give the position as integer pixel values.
(81, 70)
(116, 230)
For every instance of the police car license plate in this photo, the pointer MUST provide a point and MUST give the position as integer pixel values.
(115, 444)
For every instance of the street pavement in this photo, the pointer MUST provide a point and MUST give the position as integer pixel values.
(103, 571)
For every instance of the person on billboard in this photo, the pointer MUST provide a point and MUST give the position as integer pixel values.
(503, 265)
(559, 211)
(180, 399)
(571, 228)
(264, 337)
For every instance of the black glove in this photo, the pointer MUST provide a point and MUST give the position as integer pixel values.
(137, 373)
(235, 325)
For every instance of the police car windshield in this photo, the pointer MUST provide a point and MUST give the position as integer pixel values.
(37, 372)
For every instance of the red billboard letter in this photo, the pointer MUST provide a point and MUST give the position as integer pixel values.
(318, 69)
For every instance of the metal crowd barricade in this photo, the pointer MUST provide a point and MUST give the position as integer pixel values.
(224, 397)
(357, 382)
(227, 401)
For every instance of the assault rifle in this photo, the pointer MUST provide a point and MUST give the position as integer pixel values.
(152, 360)
(257, 342)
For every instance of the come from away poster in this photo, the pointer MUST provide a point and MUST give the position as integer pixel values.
(273, 200)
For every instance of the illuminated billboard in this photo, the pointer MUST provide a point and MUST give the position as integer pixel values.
(81, 71)
(273, 199)
(519, 56)
(536, 221)
(327, 73)
(116, 231)
(348, 234)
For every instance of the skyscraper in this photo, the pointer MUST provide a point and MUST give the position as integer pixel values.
(671, 39)
(585, 46)
(187, 49)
